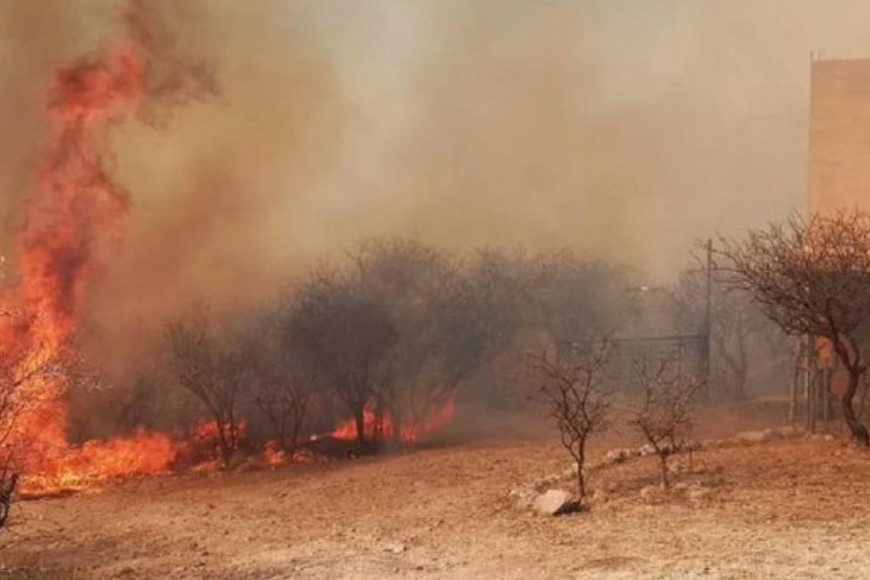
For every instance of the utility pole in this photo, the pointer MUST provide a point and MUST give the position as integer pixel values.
(708, 316)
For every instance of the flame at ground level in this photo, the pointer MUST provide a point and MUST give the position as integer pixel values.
(96, 462)
(63, 468)
(385, 426)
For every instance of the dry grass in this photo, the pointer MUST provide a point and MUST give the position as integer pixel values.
(787, 509)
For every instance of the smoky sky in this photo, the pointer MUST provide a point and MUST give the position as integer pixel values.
(619, 128)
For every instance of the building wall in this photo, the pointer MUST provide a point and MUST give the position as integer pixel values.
(839, 155)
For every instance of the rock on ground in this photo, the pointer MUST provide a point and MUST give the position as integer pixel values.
(555, 502)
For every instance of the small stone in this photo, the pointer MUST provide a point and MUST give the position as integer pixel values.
(651, 493)
(771, 434)
(697, 492)
(395, 548)
(616, 455)
(646, 450)
(753, 437)
(788, 432)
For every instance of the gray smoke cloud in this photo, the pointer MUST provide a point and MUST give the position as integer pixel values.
(624, 129)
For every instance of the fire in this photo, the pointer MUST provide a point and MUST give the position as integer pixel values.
(205, 438)
(386, 430)
(71, 227)
(99, 462)
(274, 455)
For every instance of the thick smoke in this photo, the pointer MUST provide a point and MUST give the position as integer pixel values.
(623, 129)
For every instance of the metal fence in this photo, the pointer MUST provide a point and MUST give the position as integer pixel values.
(688, 353)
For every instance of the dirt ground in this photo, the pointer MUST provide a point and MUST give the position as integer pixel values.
(784, 509)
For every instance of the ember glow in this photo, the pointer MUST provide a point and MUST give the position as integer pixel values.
(73, 225)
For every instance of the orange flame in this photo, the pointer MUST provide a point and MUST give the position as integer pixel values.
(70, 227)
(437, 420)
(274, 455)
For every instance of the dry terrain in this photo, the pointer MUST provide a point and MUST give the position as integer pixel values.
(784, 509)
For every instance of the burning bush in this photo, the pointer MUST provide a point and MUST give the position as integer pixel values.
(213, 371)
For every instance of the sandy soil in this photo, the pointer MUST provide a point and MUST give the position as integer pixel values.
(786, 509)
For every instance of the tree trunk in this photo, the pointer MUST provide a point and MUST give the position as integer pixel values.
(581, 482)
(793, 390)
(225, 449)
(825, 388)
(663, 459)
(360, 420)
(859, 432)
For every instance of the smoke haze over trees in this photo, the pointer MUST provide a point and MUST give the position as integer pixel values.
(487, 127)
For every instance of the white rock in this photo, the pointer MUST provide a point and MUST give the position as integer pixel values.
(616, 455)
(554, 502)
(646, 450)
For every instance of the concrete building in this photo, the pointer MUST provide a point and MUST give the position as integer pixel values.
(839, 139)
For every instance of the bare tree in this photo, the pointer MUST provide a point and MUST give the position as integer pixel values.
(28, 373)
(664, 417)
(576, 296)
(479, 320)
(735, 322)
(411, 281)
(578, 399)
(811, 276)
(209, 369)
(281, 383)
(345, 333)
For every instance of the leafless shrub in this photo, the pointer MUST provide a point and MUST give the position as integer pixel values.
(211, 370)
(8, 483)
(578, 400)
(345, 333)
(281, 384)
(412, 282)
(401, 326)
(811, 276)
(664, 417)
